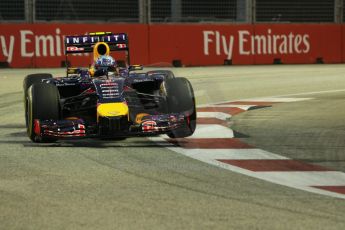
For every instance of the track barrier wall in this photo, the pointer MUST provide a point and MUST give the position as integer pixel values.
(41, 45)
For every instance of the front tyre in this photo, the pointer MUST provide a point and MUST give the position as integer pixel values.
(167, 73)
(30, 80)
(42, 103)
(35, 78)
(181, 99)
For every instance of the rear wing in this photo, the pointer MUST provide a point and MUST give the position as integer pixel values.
(85, 43)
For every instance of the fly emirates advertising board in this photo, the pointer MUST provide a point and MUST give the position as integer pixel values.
(42, 45)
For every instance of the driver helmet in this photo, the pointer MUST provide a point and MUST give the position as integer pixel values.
(105, 61)
(103, 65)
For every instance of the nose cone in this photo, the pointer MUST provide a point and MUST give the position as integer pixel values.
(112, 109)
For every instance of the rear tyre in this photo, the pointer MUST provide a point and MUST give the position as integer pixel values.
(181, 99)
(42, 103)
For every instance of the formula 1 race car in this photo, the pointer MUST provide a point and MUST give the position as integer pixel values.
(105, 100)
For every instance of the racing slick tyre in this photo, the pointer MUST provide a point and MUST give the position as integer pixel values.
(168, 74)
(43, 103)
(33, 79)
(180, 99)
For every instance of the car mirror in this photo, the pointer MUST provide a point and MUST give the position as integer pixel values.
(72, 70)
(135, 67)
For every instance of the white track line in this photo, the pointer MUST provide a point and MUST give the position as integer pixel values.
(218, 115)
(230, 154)
(312, 93)
(288, 178)
(303, 180)
(273, 99)
(323, 178)
(212, 131)
(244, 107)
(276, 99)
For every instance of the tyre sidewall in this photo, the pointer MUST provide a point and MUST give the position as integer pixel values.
(43, 103)
(30, 80)
(181, 99)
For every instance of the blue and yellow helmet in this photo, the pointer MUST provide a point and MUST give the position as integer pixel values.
(105, 61)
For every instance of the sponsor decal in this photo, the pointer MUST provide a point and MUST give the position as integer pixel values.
(148, 126)
(255, 44)
(43, 45)
(95, 39)
(74, 48)
(121, 46)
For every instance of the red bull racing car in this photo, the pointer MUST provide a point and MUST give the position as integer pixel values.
(105, 100)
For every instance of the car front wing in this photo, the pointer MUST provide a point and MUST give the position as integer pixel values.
(77, 128)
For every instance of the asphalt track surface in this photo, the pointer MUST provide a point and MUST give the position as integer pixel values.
(139, 184)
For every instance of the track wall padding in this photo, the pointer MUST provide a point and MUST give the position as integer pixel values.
(41, 45)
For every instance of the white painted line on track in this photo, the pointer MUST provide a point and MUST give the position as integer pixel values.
(311, 93)
(279, 96)
(212, 131)
(244, 107)
(276, 99)
(252, 161)
(218, 115)
(324, 178)
(287, 180)
(297, 180)
(272, 99)
(231, 154)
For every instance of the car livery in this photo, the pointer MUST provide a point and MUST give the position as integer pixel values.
(114, 104)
